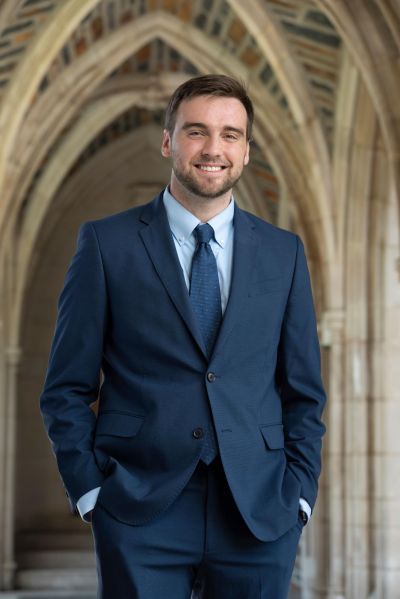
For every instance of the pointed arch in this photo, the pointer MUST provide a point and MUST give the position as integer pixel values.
(273, 43)
(274, 137)
(178, 35)
(376, 54)
(28, 75)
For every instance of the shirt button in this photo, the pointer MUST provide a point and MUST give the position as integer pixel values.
(198, 433)
(211, 377)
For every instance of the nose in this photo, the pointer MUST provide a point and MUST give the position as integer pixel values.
(212, 145)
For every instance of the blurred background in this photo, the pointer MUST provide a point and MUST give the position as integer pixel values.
(83, 88)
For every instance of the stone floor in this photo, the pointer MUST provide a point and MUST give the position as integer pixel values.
(68, 595)
(47, 595)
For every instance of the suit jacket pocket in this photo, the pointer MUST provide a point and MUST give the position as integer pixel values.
(273, 435)
(266, 286)
(118, 424)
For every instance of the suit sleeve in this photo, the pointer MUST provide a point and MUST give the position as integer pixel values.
(72, 381)
(299, 381)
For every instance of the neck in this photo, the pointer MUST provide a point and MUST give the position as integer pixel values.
(202, 208)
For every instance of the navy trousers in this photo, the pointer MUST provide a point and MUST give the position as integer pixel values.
(200, 547)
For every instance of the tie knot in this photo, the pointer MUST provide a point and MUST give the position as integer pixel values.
(204, 233)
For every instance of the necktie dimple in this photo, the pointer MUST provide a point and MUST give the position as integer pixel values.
(204, 292)
(205, 297)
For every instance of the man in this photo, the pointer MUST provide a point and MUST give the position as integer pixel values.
(203, 461)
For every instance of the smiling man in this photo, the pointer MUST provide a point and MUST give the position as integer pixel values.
(201, 468)
(208, 156)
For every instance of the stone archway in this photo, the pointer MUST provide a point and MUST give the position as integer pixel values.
(341, 188)
(275, 137)
(53, 547)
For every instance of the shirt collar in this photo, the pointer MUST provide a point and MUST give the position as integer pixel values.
(182, 222)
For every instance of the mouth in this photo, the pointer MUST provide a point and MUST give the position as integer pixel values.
(211, 168)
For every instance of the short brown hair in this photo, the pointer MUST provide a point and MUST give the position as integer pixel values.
(209, 85)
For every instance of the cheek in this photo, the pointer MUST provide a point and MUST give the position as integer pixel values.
(181, 149)
(240, 158)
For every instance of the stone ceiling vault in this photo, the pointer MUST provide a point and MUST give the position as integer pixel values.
(58, 57)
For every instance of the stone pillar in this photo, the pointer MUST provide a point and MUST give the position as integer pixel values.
(320, 568)
(329, 535)
(11, 358)
(3, 395)
(385, 408)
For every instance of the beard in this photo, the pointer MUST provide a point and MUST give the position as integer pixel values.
(205, 189)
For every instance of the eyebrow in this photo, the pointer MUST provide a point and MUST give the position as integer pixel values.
(190, 125)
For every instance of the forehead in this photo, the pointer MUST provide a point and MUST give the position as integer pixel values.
(213, 111)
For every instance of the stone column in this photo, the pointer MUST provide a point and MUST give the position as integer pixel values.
(321, 563)
(11, 357)
(385, 408)
(329, 534)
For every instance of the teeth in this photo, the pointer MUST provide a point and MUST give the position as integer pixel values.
(211, 169)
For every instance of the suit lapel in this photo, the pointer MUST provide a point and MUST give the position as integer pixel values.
(245, 246)
(157, 238)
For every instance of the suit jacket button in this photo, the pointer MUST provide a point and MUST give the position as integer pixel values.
(198, 433)
(211, 377)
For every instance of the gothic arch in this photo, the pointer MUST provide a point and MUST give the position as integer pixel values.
(32, 67)
(338, 170)
(272, 135)
(260, 21)
(307, 121)
(376, 53)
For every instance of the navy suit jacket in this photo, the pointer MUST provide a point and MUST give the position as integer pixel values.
(125, 311)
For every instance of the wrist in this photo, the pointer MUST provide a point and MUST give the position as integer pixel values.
(303, 516)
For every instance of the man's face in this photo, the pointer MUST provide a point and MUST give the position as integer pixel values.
(208, 146)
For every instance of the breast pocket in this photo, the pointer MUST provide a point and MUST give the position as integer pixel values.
(274, 285)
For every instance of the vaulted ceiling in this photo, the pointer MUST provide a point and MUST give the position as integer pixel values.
(75, 75)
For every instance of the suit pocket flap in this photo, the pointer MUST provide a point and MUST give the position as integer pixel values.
(119, 425)
(266, 286)
(273, 436)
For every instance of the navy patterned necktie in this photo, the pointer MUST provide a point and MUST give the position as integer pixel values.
(204, 292)
(205, 297)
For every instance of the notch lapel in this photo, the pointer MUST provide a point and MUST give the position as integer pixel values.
(245, 248)
(157, 238)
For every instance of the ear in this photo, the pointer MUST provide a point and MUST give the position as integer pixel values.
(247, 155)
(166, 144)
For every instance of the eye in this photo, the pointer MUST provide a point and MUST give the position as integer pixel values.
(231, 137)
(195, 133)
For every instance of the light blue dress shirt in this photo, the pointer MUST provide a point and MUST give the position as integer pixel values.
(182, 224)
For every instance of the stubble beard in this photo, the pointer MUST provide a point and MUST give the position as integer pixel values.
(188, 181)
